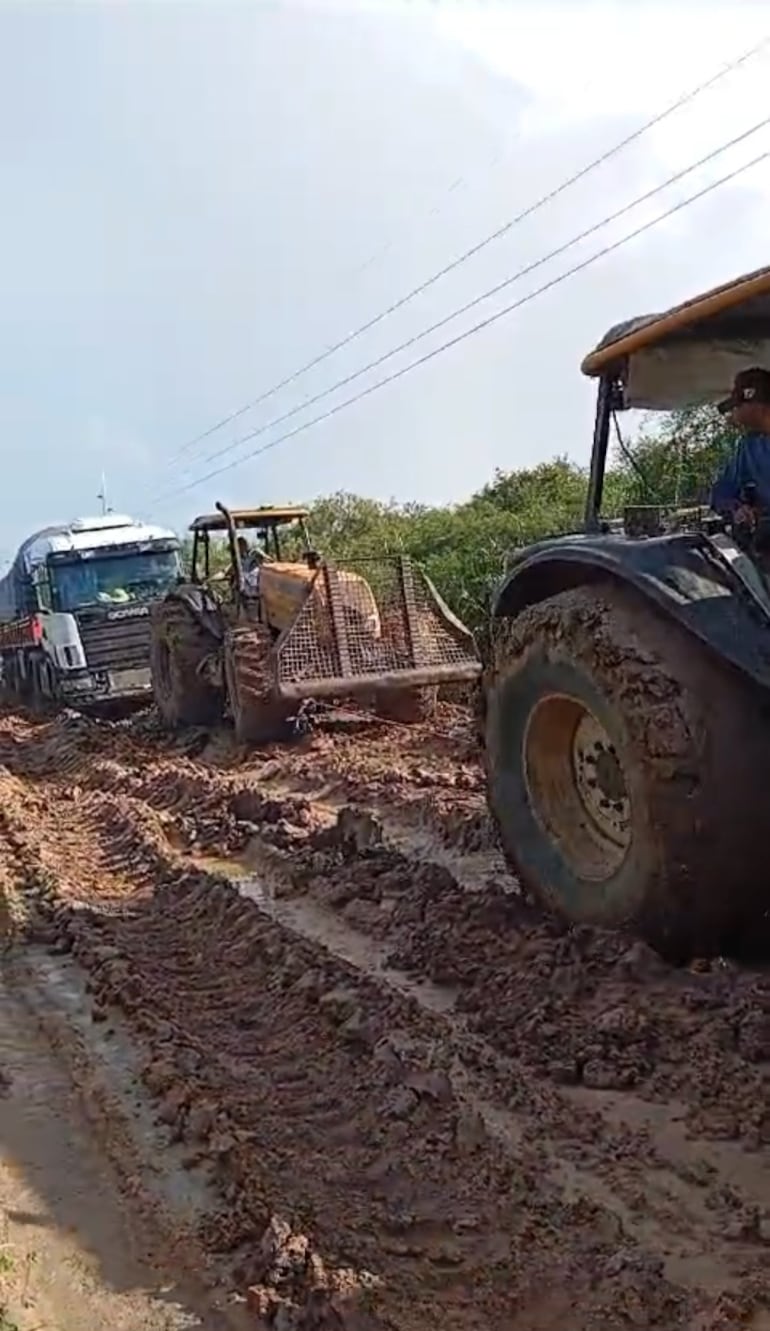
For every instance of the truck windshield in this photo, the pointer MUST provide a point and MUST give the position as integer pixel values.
(113, 579)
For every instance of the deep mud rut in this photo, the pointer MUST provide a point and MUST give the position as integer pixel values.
(69, 1259)
(341, 1075)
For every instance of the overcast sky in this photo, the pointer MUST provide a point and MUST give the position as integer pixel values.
(199, 198)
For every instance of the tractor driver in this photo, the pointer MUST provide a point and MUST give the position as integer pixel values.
(252, 559)
(742, 490)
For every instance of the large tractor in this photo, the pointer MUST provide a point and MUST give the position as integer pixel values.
(277, 627)
(625, 704)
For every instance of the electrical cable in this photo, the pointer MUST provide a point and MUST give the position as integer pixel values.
(491, 291)
(476, 328)
(501, 231)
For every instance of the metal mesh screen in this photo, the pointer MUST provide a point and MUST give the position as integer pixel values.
(375, 617)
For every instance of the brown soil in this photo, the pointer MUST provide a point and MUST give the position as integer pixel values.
(70, 1258)
(399, 1097)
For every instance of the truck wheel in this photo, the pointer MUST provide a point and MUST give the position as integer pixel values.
(625, 769)
(178, 645)
(10, 683)
(410, 706)
(22, 687)
(259, 716)
(43, 686)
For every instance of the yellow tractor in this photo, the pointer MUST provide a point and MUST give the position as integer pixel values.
(276, 627)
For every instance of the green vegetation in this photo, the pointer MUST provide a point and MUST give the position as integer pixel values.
(464, 547)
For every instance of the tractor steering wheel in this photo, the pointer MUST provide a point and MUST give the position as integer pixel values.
(750, 524)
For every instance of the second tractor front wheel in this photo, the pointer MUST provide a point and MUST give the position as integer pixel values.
(624, 769)
(259, 716)
(179, 645)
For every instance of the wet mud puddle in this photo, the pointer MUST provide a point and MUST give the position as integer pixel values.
(68, 1257)
(313, 922)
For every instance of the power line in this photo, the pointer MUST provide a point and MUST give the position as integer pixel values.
(459, 183)
(657, 119)
(491, 291)
(437, 207)
(476, 328)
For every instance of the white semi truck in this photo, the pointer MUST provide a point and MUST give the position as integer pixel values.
(75, 610)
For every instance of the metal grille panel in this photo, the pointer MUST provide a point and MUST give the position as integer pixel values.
(375, 618)
(117, 644)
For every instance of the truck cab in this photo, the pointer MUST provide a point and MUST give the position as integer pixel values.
(75, 608)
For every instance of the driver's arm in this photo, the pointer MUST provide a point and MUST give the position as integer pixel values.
(726, 490)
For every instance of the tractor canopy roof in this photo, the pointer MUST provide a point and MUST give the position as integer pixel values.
(690, 354)
(246, 518)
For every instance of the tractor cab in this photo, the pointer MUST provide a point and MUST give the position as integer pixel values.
(253, 536)
(626, 700)
(688, 356)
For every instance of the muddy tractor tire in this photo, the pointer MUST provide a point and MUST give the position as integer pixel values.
(178, 646)
(625, 770)
(409, 706)
(259, 716)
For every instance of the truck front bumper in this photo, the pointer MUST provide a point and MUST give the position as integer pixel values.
(91, 686)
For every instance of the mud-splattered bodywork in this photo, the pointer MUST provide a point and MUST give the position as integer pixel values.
(707, 586)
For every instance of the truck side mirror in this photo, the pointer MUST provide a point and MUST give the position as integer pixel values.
(42, 585)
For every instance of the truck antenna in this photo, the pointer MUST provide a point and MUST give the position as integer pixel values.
(102, 495)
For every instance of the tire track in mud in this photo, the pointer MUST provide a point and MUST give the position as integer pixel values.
(316, 1106)
(571, 1003)
(461, 1102)
(434, 807)
(552, 995)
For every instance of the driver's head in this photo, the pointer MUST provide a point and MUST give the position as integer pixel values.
(749, 403)
(243, 547)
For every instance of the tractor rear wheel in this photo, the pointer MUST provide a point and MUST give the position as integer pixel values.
(178, 646)
(625, 769)
(410, 706)
(259, 716)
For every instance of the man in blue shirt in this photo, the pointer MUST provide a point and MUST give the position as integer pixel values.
(742, 490)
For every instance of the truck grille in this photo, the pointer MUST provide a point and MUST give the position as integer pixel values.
(116, 644)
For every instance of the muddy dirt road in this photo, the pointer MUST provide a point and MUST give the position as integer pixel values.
(68, 1257)
(341, 1075)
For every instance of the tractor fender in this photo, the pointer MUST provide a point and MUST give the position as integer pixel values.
(688, 576)
(202, 605)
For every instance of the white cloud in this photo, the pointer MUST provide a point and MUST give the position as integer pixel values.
(588, 63)
(597, 59)
(206, 196)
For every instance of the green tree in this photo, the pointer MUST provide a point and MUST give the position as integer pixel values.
(677, 456)
(464, 547)
(548, 488)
